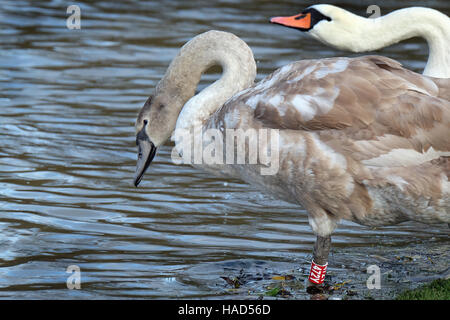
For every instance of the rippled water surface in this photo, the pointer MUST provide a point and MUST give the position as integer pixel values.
(69, 99)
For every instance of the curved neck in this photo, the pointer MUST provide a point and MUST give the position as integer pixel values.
(195, 57)
(365, 34)
(427, 23)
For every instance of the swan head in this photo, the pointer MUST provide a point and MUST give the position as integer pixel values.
(154, 125)
(175, 100)
(329, 24)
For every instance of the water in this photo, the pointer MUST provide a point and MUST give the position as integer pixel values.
(69, 99)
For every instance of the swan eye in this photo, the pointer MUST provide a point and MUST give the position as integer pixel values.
(316, 16)
(161, 106)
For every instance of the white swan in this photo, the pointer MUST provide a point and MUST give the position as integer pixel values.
(360, 139)
(344, 30)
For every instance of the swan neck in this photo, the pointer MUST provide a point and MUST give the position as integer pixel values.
(350, 32)
(197, 56)
(407, 23)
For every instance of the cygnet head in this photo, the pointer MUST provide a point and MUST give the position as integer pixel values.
(154, 125)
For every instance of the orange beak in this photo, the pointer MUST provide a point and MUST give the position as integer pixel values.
(299, 21)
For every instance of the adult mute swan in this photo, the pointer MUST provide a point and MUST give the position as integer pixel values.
(360, 139)
(344, 30)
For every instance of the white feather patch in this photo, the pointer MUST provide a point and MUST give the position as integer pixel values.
(322, 225)
(445, 186)
(276, 100)
(267, 83)
(398, 181)
(404, 158)
(339, 66)
(302, 103)
(319, 103)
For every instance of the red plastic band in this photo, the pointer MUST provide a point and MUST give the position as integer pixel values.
(317, 273)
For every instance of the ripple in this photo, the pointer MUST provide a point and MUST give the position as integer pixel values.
(69, 100)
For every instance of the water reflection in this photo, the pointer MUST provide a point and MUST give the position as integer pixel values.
(68, 101)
